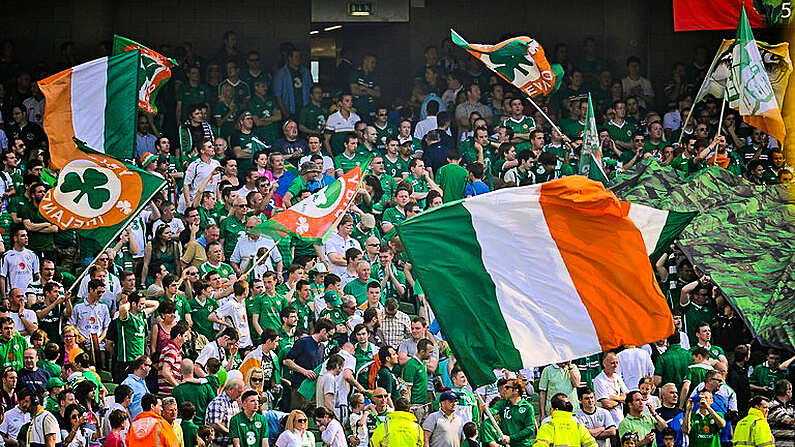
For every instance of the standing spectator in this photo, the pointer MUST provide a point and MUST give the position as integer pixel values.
(221, 410)
(476, 186)
(517, 420)
(753, 430)
(149, 427)
(704, 425)
(737, 377)
(202, 174)
(43, 430)
(32, 134)
(91, 317)
(223, 348)
(122, 399)
(723, 398)
(396, 325)
(672, 366)
(364, 87)
(764, 377)
(14, 418)
(609, 387)
(144, 138)
(131, 328)
(331, 430)
(307, 353)
(25, 320)
(635, 364)
(472, 104)
(296, 431)
(136, 380)
(249, 427)
(327, 387)
(704, 340)
(443, 428)
(338, 244)
(195, 391)
(339, 124)
(31, 376)
(638, 422)
(636, 85)
(415, 373)
(291, 85)
(782, 415)
(558, 378)
(597, 420)
(19, 264)
(232, 313)
(671, 413)
(169, 371)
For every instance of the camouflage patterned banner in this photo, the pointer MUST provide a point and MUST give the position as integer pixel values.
(744, 237)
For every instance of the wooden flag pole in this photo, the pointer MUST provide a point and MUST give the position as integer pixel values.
(490, 416)
(258, 261)
(720, 123)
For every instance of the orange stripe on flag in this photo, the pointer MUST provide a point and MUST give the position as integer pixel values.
(606, 258)
(57, 90)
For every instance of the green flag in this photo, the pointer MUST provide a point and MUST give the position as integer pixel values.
(154, 70)
(742, 237)
(98, 194)
(591, 152)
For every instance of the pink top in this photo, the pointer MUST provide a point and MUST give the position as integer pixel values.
(114, 440)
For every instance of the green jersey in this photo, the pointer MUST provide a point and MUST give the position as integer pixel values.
(452, 178)
(231, 230)
(393, 215)
(766, 377)
(704, 430)
(416, 374)
(269, 310)
(189, 95)
(39, 241)
(397, 167)
(523, 125)
(250, 142)
(11, 351)
(132, 338)
(199, 394)
(517, 421)
(364, 104)
(693, 316)
(264, 108)
(672, 365)
(305, 314)
(686, 165)
(418, 185)
(251, 432)
(200, 313)
(223, 269)
(572, 128)
(346, 163)
(622, 132)
(357, 289)
(387, 380)
(382, 133)
(313, 117)
(336, 316)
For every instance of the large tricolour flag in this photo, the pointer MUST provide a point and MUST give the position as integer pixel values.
(530, 276)
(94, 102)
(153, 72)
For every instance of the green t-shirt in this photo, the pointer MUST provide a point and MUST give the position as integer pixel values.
(452, 178)
(336, 316)
(305, 314)
(346, 163)
(364, 104)
(200, 314)
(622, 133)
(189, 433)
(199, 394)
(38, 241)
(190, 95)
(250, 142)
(672, 365)
(250, 432)
(765, 377)
(704, 430)
(383, 133)
(418, 185)
(386, 379)
(132, 338)
(269, 309)
(686, 165)
(416, 374)
(227, 127)
(524, 125)
(297, 186)
(693, 316)
(313, 117)
(572, 128)
(224, 270)
(231, 230)
(517, 421)
(393, 215)
(11, 352)
(396, 168)
(357, 289)
(264, 108)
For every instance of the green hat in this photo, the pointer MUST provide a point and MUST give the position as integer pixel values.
(53, 382)
(147, 158)
(332, 298)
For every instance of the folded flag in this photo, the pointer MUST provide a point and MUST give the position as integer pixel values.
(752, 76)
(93, 102)
(154, 70)
(529, 276)
(518, 60)
(99, 193)
(591, 154)
(314, 218)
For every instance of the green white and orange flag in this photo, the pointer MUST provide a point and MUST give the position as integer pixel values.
(96, 192)
(154, 71)
(315, 217)
(529, 276)
(95, 103)
(519, 60)
(591, 153)
(752, 84)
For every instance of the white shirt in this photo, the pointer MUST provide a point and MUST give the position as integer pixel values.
(138, 229)
(629, 84)
(35, 108)
(29, 315)
(360, 431)
(236, 312)
(18, 268)
(294, 439)
(175, 225)
(211, 350)
(633, 365)
(246, 247)
(425, 126)
(328, 162)
(334, 435)
(90, 318)
(112, 288)
(343, 387)
(337, 123)
(195, 174)
(604, 387)
(337, 244)
(13, 420)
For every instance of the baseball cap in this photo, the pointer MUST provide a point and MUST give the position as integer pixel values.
(320, 268)
(448, 395)
(55, 381)
(308, 167)
(332, 298)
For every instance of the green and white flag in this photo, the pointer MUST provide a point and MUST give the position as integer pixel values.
(154, 71)
(591, 152)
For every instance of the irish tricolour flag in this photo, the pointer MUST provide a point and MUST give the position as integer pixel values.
(94, 102)
(546, 273)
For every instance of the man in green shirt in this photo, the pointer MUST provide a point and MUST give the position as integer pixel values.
(703, 426)
(199, 392)
(694, 156)
(415, 373)
(517, 416)
(202, 305)
(214, 263)
(764, 377)
(312, 119)
(358, 287)
(641, 419)
(387, 181)
(349, 158)
(394, 165)
(131, 338)
(249, 428)
(694, 301)
(266, 113)
(271, 304)
(308, 174)
(383, 128)
(421, 181)
(452, 178)
(233, 226)
(621, 130)
(192, 92)
(364, 88)
(672, 366)
(521, 125)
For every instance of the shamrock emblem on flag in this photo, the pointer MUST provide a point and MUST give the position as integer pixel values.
(303, 225)
(513, 57)
(124, 206)
(89, 185)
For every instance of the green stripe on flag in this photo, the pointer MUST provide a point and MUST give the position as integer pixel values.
(674, 225)
(459, 290)
(120, 108)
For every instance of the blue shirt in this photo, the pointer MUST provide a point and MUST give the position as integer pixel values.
(145, 143)
(284, 182)
(306, 353)
(139, 389)
(476, 188)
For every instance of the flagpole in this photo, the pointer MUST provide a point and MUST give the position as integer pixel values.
(687, 120)
(258, 261)
(547, 117)
(490, 416)
(720, 123)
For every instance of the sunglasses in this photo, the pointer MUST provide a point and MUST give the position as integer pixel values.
(302, 420)
(256, 380)
(380, 396)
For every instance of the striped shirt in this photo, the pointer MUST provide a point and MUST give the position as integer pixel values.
(172, 356)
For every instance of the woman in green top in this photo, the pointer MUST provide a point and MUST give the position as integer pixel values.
(164, 249)
(225, 111)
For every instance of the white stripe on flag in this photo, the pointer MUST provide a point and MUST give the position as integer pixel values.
(650, 222)
(89, 87)
(538, 300)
